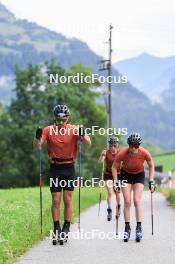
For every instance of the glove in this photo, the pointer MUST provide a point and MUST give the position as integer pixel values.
(116, 186)
(81, 132)
(152, 186)
(39, 132)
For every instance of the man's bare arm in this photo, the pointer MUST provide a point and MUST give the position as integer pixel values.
(101, 159)
(87, 140)
(151, 169)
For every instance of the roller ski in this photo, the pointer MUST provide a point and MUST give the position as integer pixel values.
(109, 215)
(63, 239)
(56, 236)
(127, 233)
(64, 233)
(139, 233)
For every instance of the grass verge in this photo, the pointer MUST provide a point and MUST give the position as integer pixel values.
(170, 195)
(167, 161)
(20, 218)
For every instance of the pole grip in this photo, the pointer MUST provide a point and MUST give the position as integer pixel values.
(40, 182)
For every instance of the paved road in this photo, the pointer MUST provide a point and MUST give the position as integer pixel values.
(159, 248)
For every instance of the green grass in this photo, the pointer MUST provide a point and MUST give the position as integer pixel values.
(170, 195)
(20, 221)
(167, 160)
(153, 149)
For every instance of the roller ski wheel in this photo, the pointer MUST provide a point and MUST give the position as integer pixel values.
(139, 234)
(62, 241)
(109, 215)
(54, 242)
(127, 234)
(138, 239)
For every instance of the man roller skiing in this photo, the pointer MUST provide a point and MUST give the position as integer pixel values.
(62, 140)
(132, 160)
(108, 156)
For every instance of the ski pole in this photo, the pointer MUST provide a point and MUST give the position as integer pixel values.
(117, 212)
(41, 203)
(100, 189)
(79, 180)
(152, 213)
(38, 136)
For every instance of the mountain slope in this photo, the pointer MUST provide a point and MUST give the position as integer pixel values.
(136, 112)
(150, 74)
(168, 97)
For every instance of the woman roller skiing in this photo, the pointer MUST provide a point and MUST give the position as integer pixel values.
(132, 160)
(108, 156)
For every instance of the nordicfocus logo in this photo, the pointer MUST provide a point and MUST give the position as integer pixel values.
(80, 78)
(55, 182)
(89, 235)
(90, 131)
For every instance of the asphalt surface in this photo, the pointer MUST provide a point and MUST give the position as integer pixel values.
(159, 248)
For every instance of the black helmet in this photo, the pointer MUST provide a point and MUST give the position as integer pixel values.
(134, 138)
(61, 111)
(113, 140)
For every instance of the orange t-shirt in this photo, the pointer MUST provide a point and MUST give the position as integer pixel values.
(61, 143)
(110, 157)
(133, 163)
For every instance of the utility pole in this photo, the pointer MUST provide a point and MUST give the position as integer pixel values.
(109, 74)
(107, 65)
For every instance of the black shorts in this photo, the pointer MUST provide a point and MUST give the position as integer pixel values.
(62, 177)
(132, 178)
(107, 176)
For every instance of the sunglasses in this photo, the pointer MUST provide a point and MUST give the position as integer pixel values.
(61, 119)
(112, 145)
(136, 146)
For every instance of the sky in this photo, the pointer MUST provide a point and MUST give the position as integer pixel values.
(138, 25)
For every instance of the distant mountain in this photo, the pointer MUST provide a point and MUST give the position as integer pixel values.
(135, 111)
(151, 75)
(22, 42)
(168, 97)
